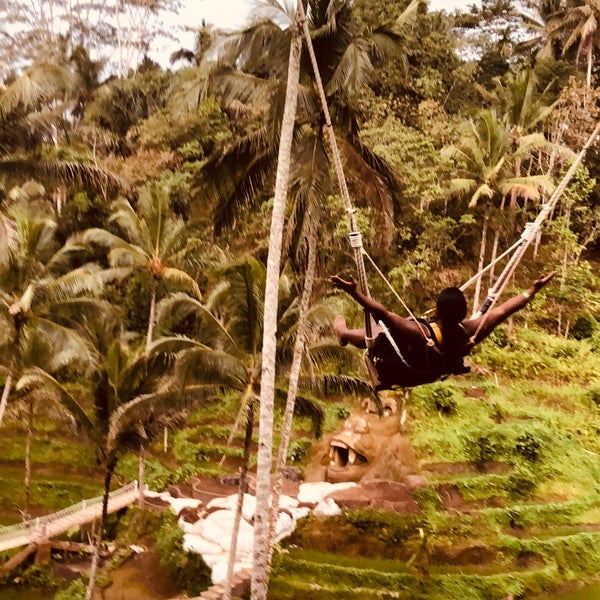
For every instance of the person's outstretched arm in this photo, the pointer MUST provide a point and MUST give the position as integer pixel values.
(349, 286)
(398, 326)
(503, 311)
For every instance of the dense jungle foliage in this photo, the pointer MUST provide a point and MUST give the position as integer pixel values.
(135, 210)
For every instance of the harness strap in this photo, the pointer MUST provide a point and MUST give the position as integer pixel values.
(394, 345)
(437, 332)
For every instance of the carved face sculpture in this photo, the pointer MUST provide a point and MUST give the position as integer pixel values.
(367, 447)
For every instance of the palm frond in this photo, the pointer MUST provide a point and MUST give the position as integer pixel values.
(207, 366)
(42, 81)
(177, 307)
(86, 174)
(37, 376)
(304, 406)
(150, 407)
(56, 346)
(337, 384)
(178, 276)
(134, 226)
(83, 280)
(406, 21)
(352, 72)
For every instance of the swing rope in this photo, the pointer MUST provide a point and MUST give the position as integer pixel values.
(355, 235)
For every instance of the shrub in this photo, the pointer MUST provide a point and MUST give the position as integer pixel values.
(188, 568)
(75, 591)
(299, 449)
(437, 397)
(584, 327)
(593, 394)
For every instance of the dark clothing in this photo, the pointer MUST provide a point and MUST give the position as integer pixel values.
(417, 365)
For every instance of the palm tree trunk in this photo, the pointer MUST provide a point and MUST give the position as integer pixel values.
(149, 336)
(496, 242)
(141, 476)
(286, 429)
(110, 469)
(97, 539)
(27, 478)
(6, 393)
(93, 568)
(477, 292)
(151, 317)
(260, 574)
(242, 489)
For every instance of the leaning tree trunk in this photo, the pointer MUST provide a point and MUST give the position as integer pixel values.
(482, 249)
(242, 489)
(142, 455)
(27, 478)
(6, 393)
(97, 539)
(286, 429)
(260, 572)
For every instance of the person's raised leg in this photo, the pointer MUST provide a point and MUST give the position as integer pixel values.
(345, 336)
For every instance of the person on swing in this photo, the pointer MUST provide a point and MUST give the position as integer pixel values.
(413, 352)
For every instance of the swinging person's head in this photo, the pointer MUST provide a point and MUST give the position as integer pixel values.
(451, 305)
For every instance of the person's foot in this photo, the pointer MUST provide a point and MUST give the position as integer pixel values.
(339, 326)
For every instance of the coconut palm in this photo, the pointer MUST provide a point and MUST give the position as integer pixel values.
(131, 398)
(234, 361)
(153, 240)
(486, 154)
(44, 297)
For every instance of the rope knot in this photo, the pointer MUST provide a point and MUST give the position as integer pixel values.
(355, 239)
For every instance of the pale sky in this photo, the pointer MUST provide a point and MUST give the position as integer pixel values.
(233, 13)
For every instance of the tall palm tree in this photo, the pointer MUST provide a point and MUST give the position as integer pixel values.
(526, 110)
(260, 570)
(486, 155)
(44, 298)
(132, 397)
(153, 240)
(234, 359)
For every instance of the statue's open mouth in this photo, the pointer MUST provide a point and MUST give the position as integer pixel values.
(342, 455)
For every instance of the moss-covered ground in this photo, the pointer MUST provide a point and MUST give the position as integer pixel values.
(510, 453)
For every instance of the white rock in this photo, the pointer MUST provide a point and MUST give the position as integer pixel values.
(195, 543)
(300, 512)
(327, 508)
(287, 502)
(230, 503)
(177, 504)
(218, 526)
(313, 492)
(284, 526)
(219, 571)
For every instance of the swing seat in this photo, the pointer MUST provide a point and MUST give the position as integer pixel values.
(388, 371)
